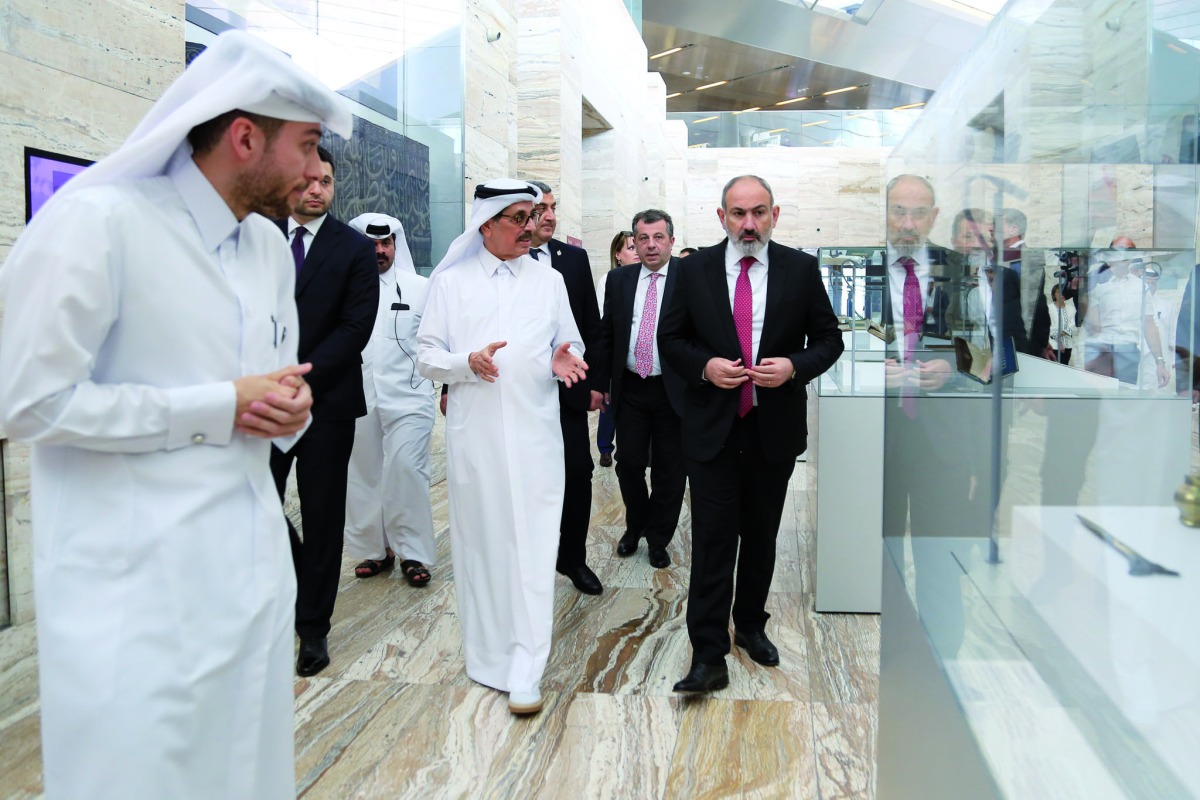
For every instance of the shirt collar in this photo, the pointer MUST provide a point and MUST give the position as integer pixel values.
(734, 256)
(544, 247)
(312, 226)
(491, 263)
(646, 272)
(921, 257)
(212, 214)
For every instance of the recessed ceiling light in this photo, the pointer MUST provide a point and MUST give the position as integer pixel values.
(748, 110)
(839, 91)
(686, 72)
(777, 130)
(789, 102)
(910, 105)
(676, 94)
(710, 86)
(818, 122)
(705, 119)
(1177, 48)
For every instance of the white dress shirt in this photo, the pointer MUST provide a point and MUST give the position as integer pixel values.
(639, 305)
(758, 293)
(312, 226)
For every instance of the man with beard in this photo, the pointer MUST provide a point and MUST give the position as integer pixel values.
(498, 328)
(337, 295)
(748, 325)
(387, 497)
(149, 353)
(575, 402)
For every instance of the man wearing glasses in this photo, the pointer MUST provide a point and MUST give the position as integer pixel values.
(498, 329)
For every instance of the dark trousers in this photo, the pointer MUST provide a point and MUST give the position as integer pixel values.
(606, 427)
(737, 502)
(577, 490)
(322, 457)
(648, 434)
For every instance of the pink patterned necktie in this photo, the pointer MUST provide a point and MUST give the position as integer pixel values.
(643, 350)
(914, 312)
(743, 321)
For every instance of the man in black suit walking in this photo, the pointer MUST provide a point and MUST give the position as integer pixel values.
(646, 395)
(748, 326)
(337, 294)
(575, 402)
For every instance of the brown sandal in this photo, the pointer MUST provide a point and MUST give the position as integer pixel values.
(415, 572)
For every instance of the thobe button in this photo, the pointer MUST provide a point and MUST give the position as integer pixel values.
(199, 438)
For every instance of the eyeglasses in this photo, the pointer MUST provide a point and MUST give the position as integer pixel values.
(521, 219)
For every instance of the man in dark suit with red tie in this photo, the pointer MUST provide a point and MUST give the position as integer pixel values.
(337, 296)
(576, 401)
(645, 394)
(748, 326)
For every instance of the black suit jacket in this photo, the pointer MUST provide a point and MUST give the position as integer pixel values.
(1014, 323)
(572, 263)
(620, 290)
(337, 296)
(799, 324)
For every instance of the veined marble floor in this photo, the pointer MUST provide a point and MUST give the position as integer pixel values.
(395, 716)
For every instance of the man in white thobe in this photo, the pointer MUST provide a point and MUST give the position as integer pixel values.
(498, 329)
(148, 352)
(387, 500)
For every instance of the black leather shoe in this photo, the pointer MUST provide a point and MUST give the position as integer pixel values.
(659, 557)
(584, 579)
(605, 460)
(703, 678)
(628, 544)
(313, 657)
(758, 647)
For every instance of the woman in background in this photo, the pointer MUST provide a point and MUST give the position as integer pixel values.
(620, 253)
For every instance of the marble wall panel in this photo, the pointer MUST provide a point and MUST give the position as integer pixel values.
(490, 100)
(77, 37)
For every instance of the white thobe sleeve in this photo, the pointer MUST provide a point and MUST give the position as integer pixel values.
(61, 299)
(435, 360)
(567, 330)
(290, 320)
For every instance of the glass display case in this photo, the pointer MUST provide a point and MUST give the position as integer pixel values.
(1037, 639)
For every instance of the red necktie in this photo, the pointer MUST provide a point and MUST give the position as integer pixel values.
(643, 350)
(743, 321)
(914, 312)
(298, 247)
(914, 309)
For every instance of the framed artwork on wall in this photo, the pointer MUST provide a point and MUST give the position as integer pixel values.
(45, 174)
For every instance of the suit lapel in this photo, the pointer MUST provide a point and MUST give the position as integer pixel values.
(323, 243)
(718, 285)
(628, 296)
(778, 275)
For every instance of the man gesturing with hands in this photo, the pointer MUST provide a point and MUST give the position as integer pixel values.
(502, 411)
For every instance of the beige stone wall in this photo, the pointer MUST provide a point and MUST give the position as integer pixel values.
(826, 196)
(78, 75)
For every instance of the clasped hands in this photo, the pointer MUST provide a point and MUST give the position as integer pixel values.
(567, 366)
(276, 404)
(928, 376)
(768, 373)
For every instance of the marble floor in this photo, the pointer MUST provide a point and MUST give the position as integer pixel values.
(395, 716)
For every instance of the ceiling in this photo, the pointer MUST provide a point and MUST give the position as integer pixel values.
(760, 78)
(772, 51)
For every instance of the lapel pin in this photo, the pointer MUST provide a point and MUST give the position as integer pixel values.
(558, 252)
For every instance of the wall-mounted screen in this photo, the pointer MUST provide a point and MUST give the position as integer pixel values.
(45, 174)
